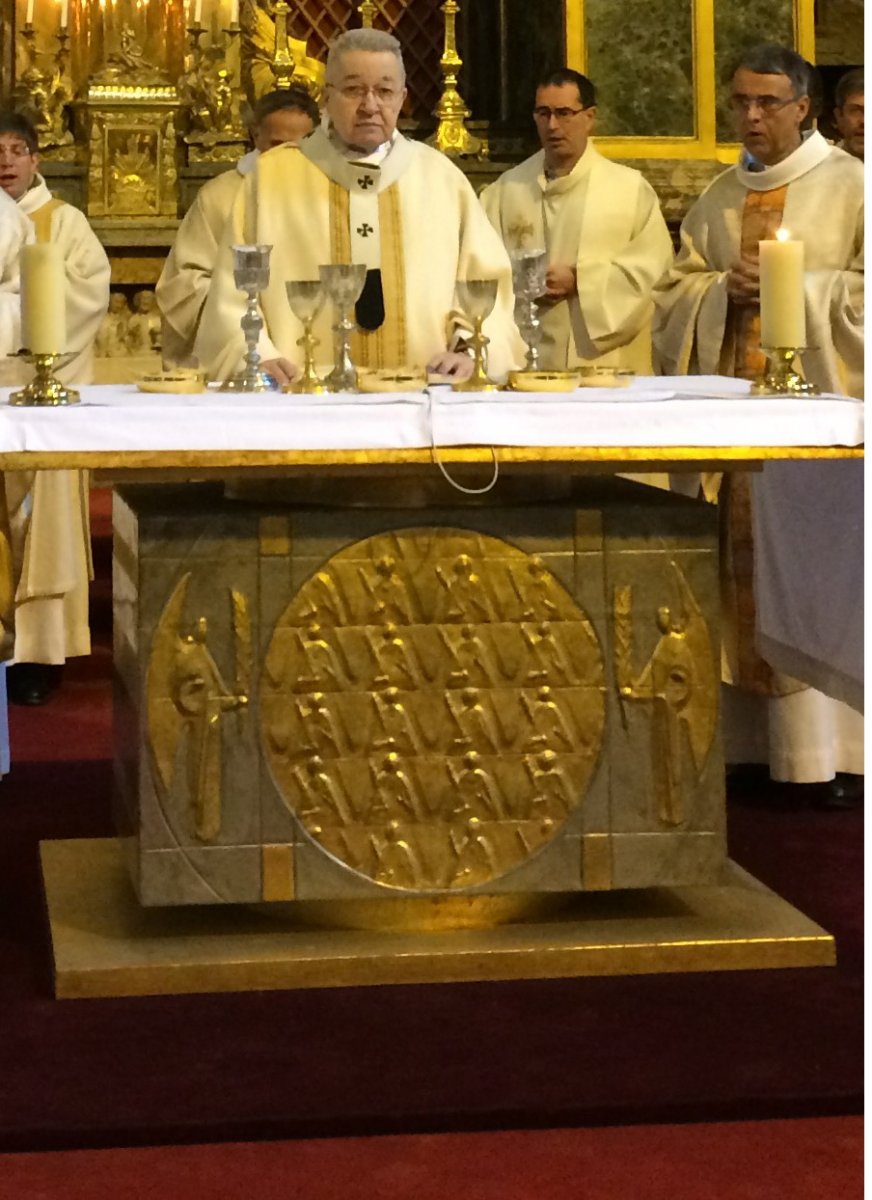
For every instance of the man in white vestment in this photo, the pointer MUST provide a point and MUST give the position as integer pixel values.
(603, 229)
(358, 192)
(708, 322)
(280, 117)
(849, 112)
(48, 510)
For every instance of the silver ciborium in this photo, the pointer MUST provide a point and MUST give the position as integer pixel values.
(477, 298)
(251, 275)
(529, 269)
(306, 298)
(343, 283)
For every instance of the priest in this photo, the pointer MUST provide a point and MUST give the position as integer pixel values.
(708, 322)
(601, 225)
(358, 192)
(48, 510)
(281, 117)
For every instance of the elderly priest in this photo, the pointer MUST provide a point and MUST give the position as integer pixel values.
(708, 322)
(358, 192)
(601, 225)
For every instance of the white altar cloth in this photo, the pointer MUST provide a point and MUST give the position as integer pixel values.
(688, 411)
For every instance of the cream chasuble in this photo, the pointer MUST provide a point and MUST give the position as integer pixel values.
(415, 216)
(817, 194)
(48, 510)
(823, 208)
(604, 219)
(184, 282)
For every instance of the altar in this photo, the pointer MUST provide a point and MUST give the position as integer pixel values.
(422, 692)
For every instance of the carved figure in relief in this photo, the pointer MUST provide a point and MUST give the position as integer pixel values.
(111, 340)
(472, 663)
(391, 601)
(329, 604)
(397, 864)
(465, 597)
(325, 797)
(478, 725)
(475, 856)
(143, 327)
(401, 732)
(549, 655)
(323, 728)
(477, 793)
(324, 664)
(551, 795)
(397, 663)
(394, 793)
(547, 720)
(681, 682)
(539, 597)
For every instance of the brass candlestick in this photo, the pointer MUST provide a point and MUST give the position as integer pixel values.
(306, 298)
(367, 11)
(236, 124)
(477, 299)
(45, 390)
(451, 136)
(781, 378)
(283, 60)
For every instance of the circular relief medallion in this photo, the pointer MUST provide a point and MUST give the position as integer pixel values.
(432, 707)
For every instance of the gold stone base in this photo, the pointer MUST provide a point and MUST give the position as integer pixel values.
(105, 944)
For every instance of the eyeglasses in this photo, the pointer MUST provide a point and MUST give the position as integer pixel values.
(766, 104)
(559, 114)
(357, 93)
(16, 150)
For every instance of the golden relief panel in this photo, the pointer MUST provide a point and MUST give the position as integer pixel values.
(432, 706)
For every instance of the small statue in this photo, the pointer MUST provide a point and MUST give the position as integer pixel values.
(143, 334)
(111, 340)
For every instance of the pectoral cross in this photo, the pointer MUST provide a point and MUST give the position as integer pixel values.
(366, 181)
(365, 230)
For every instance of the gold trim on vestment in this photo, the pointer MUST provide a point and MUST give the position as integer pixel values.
(41, 218)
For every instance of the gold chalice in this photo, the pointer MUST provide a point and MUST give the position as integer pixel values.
(306, 298)
(343, 283)
(477, 298)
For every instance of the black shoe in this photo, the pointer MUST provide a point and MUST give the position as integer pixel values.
(843, 792)
(31, 683)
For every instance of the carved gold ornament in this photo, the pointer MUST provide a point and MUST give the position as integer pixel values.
(432, 705)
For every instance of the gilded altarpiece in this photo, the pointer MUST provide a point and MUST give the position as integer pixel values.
(360, 704)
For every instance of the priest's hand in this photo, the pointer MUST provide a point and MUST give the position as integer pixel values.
(743, 282)
(282, 370)
(560, 284)
(458, 366)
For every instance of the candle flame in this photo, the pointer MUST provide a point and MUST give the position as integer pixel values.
(783, 235)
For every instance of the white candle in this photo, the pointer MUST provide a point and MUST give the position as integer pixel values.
(782, 293)
(29, 15)
(65, 13)
(43, 299)
(198, 12)
(234, 12)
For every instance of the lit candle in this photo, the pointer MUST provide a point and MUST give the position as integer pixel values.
(782, 293)
(65, 13)
(29, 15)
(198, 13)
(234, 12)
(43, 298)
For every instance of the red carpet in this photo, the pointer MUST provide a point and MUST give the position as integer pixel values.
(768, 1160)
(537, 1054)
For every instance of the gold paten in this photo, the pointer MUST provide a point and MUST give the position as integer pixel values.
(681, 682)
(105, 944)
(186, 696)
(432, 706)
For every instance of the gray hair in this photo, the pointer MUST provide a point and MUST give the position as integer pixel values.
(771, 59)
(372, 41)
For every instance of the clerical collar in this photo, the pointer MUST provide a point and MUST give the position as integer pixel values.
(374, 159)
(810, 153)
(748, 162)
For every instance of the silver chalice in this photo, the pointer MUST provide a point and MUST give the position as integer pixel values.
(251, 275)
(343, 283)
(529, 269)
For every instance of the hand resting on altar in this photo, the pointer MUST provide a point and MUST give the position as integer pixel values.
(282, 370)
(458, 366)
